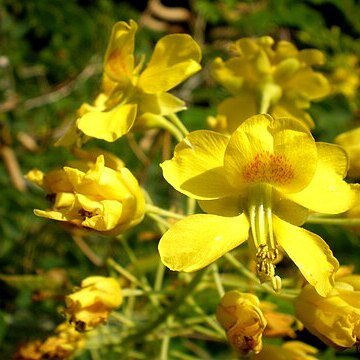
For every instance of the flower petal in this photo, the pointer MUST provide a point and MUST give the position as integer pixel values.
(309, 252)
(327, 192)
(226, 206)
(237, 109)
(196, 168)
(287, 108)
(159, 104)
(266, 150)
(199, 240)
(175, 58)
(110, 125)
(310, 84)
(119, 56)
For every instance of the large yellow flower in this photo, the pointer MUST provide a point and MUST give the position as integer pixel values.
(334, 319)
(93, 196)
(261, 79)
(257, 184)
(130, 96)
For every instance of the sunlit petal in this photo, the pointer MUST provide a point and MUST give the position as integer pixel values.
(199, 240)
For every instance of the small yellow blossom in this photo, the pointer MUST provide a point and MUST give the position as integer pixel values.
(92, 303)
(290, 350)
(62, 345)
(334, 319)
(131, 96)
(350, 141)
(344, 79)
(262, 79)
(239, 314)
(257, 184)
(98, 197)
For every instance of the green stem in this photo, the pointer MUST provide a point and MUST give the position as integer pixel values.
(159, 211)
(333, 221)
(217, 280)
(184, 293)
(176, 121)
(171, 128)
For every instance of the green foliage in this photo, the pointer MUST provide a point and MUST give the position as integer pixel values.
(50, 63)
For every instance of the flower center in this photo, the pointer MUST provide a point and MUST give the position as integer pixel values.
(268, 168)
(261, 237)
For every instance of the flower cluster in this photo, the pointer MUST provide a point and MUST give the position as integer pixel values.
(258, 176)
(262, 79)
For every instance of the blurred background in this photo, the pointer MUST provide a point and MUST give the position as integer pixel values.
(51, 62)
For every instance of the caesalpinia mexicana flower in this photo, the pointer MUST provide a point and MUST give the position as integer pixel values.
(98, 197)
(132, 96)
(350, 141)
(334, 319)
(290, 350)
(65, 343)
(257, 184)
(91, 305)
(262, 79)
(344, 79)
(239, 314)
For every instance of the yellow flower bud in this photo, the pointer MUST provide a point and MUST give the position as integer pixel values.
(290, 350)
(93, 302)
(103, 195)
(334, 319)
(239, 314)
(62, 345)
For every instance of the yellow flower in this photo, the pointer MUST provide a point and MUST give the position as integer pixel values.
(261, 79)
(344, 79)
(350, 141)
(257, 184)
(334, 319)
(130, 96)
(290, 350)
(98, 197)
(62, 345)
(239, 314)
(92, 303)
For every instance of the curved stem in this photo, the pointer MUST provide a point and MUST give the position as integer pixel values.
(333, 221)
(176, 121)
(159, 211)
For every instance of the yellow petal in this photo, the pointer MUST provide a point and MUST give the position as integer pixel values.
(110, 125)
(309, 252)
(175, 58)
(196, 168)
(327, 192)
(226, 206)
(237, 109)
(119, 57)
(266, 150)
(310, 84)
(199, 240)
(159, 104)
(287, 108)
(231, 73)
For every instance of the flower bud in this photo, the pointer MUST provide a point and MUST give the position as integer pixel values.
(93, 302)
(239, 314)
